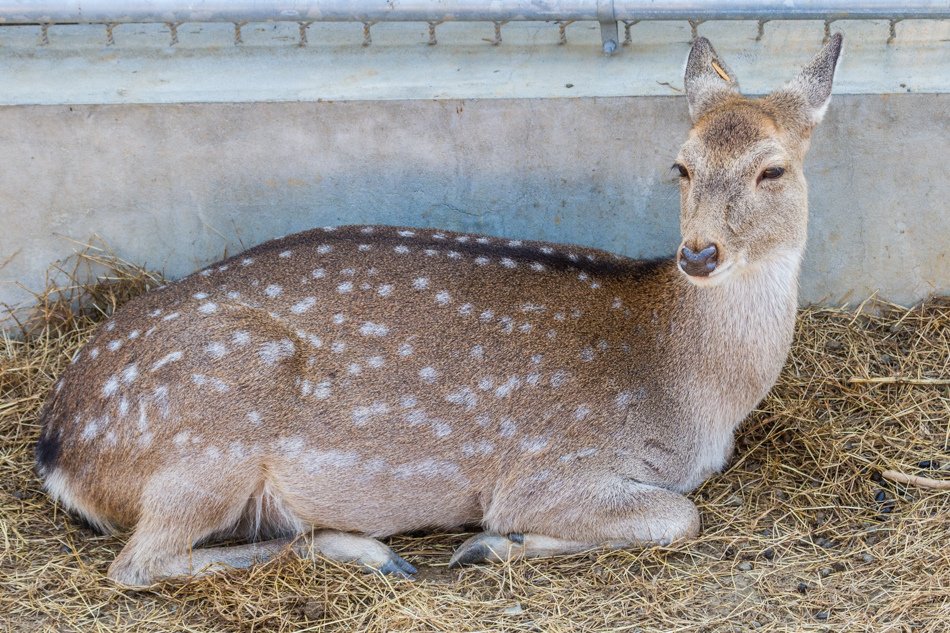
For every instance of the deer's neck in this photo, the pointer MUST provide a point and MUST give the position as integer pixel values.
(748, 326)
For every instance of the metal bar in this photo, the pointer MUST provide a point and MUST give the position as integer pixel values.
(179, 11)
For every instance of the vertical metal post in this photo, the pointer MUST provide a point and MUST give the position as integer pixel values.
(609, 32)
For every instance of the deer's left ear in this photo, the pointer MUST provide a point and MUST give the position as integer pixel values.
(811, 89)
(708, 80)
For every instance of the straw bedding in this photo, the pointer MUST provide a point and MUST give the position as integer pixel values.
(801, 532)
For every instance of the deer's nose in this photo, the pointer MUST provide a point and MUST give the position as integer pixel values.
(699, 264)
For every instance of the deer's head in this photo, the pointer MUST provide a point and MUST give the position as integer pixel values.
(743, 197)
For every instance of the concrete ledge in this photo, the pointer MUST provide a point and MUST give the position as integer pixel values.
(206, 66)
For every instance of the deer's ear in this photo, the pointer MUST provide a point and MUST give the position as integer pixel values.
(810, 92)
(708, 80)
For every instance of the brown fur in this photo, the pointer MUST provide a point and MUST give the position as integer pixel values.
(564, 393)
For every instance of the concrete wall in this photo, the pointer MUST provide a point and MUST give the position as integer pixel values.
(175, 185)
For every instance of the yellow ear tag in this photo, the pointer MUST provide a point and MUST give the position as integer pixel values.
(720, 71)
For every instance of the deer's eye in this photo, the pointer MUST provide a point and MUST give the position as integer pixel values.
(772, 173)
(684, 173)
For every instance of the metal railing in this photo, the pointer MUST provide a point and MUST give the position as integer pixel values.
(609, 13)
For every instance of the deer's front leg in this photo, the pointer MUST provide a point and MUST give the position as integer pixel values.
(568, 517)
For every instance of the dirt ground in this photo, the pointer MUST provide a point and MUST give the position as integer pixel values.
(801, 533)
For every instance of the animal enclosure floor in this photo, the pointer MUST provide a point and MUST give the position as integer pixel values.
(801, 532)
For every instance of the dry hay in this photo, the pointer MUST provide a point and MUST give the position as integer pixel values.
(801, 532)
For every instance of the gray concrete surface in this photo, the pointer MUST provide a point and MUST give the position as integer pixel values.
(178, 186)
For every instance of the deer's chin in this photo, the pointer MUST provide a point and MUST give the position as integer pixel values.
(715, 278)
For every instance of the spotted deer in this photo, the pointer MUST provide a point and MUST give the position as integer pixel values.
(326, 389)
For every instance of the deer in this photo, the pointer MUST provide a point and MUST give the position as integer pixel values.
(322, 391)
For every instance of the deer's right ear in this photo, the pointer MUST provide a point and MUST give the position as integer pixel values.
(708, 80)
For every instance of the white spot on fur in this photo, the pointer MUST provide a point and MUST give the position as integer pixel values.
(216, 350)
(247, 261)
(461, 239)
(482, 447)
(537, 267)
(466, 309)
(420, 283)
(405, 233)
(533, 379)
(254, 418)
(401, 249)
(339, 318)
(285, 254)
(560, 378)
(303, 305)
(362, 415)
(385, 290)
(208, 308)
(486, 316)
(428, 374)
(507, 387)
(367, 230)
(483, 240)
(134, 334)
(454, 255)
(115, 345)
(322, 390)
(443, 297)
(323, 249)
(215, 383)
(587, 354)
(364, 247)
(318, 273)
(272, 352)
(348, 272)
(338, 347)
(130, 373)
(374, 329)
(508, 427)
(241, 338)
(273, 290)
(438, 236)
(477, 352)
(408, 401)
(376, 361)
(481, 260)
(94, 353)
(200, 295)
(430, 252)
(154, 313)
(486, 383)
(507, 262)
(405, 349)
(111, 386)
(110, 326)
(525, 327)
(464, 397)
(345, 287)
(430, 469)
(533, 444)
(164, 360)
(581, 412)
(354, 369)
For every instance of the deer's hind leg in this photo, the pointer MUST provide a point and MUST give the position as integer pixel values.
(179, 512)
(180, 508)
(613, 514)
